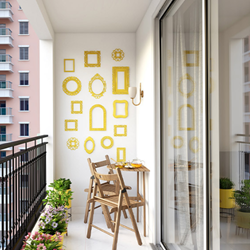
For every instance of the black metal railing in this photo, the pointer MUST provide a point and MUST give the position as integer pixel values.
(23, 187)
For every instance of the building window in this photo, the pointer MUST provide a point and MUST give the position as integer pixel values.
(24, 79)
(19, 8)
(24, 53)
(24, 156)
(23, 28)
(24, 181)
(2, 154)
(24, 129)
(24, 104)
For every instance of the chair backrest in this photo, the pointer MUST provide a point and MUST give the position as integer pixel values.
(94, 165)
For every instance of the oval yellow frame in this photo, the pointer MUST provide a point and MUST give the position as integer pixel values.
(97, 77)
(107, 138)
(186, 77)
(78, 82)
(89, 151)
(179, 138)
(194, 150)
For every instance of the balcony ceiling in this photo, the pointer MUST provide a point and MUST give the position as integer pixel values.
(95, 15)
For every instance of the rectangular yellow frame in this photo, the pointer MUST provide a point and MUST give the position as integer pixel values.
(120, 126)
(71, 129)
(87, 64)
(72, 107)
(196, 58)
(115, 89)
(118, 154)
(126, 108)
(65, 65)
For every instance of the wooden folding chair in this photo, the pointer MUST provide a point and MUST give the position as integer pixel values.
(107, 187)
(116, 202)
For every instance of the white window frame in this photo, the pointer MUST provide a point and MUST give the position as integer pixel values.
(23, 21)
(23, 97)
(23, 46)
(20, 123)
(20, 72)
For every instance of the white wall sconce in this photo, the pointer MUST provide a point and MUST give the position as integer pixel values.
(132, 94)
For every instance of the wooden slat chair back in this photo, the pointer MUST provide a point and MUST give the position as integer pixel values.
(116, 203)
(108, 188)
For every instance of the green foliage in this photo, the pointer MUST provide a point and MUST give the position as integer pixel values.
(61, 184)
(57, 199)
(226, 183)
(242, 196)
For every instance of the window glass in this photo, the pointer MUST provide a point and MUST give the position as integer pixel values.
(24, 104)
(24, 78)
(24, 53)
(24, 129)
(23, 28)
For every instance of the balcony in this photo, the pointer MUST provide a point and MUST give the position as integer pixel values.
(6, 116)
(6, 89)
(5, 11)
(6, 37)
(6, 62)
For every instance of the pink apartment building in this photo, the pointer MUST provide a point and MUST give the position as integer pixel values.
(19, 75)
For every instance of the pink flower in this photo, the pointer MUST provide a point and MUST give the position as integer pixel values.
(41, 247)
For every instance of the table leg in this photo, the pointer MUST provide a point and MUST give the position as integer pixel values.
(137, 196)
(144, 207)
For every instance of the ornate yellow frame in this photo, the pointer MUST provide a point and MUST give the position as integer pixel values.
(71, 78)
(196, 57)
(65, 65)
(126, 108)
(107, 138)
(118, 55)
(72, 143)
(118, 154)
(104, 118)
(89, 151)
(87, 64)
(179, 138)
(120, 126)
(186, 77)
(97, 77)
(115, 71)
(72, 107)
(179, 117)
(71, 129)
(194, 150)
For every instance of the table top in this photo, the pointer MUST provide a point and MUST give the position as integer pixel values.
(140, 169)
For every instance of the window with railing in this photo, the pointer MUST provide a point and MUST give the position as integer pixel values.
(5, 85)
(5, 5)
(5, 111)
(5, 58)
(5, 32)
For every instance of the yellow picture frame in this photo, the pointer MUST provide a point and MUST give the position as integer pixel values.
(177, 138)
(194, 150)
(104, 118)
(179, 117)
(196, 62)
(71, 78)
(117, 55)
(107, 138)
(72, 143)
(115, 89)
(72, 107)
(186, 77)
(65, 60)
(126, 109)
(71, 129)
(120, 126)
(97, 77)
(87, 64)
(89, 151)
(118, 154)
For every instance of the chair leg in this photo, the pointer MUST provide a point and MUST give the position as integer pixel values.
(88, 205)
(117, 224)
(138, 237)
(124, 214)
(90, 219)
(107, 217)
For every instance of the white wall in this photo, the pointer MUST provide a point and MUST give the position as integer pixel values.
(73, 163)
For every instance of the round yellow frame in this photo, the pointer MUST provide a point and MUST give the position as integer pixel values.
(89, 151)
(173, 141)
(107, 138)
(78, 82)
(72, 143)
(194, 150)
(97, 77)
(118, 55)
(186, 77)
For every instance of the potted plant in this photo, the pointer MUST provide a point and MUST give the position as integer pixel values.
(60, 185)
(226, 193)
(42, 241)
(242, 199)
(53, 220)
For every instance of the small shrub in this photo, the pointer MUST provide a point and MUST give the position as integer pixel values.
(226, 183)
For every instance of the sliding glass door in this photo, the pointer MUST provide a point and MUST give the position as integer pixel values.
(183, 122)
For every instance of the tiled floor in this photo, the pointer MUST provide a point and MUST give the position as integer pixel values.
(77, 240)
